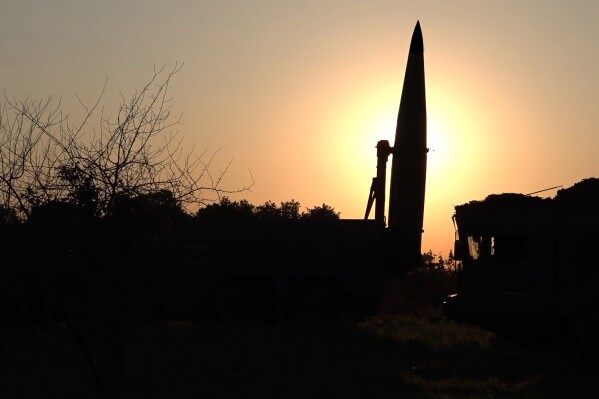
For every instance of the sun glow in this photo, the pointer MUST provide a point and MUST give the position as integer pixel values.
(439, 145)
(369, 115)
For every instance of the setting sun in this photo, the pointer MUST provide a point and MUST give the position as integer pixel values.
(298, 95)
(184, 184)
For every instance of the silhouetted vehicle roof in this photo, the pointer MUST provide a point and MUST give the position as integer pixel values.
(576, 205)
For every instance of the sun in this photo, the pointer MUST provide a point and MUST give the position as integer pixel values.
(357, 124)
(383, 127)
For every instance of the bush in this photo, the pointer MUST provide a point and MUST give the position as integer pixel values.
(422, 290)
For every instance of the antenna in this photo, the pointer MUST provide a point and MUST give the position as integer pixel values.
(547, 189)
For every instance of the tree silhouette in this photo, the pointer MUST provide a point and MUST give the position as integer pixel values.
(226, 210)
(240, 211)
(290, 210)
(45, 157)
(92, 212)
(29, 155)
(323, 213)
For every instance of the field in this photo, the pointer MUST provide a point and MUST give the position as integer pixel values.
(425, 356)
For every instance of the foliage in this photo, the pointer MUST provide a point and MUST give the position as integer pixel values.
(421, 290)
(268, 211)
(7, 216)
(240, 211)
(82, 190)
(440, 358)
(147, 219)
(290, 210)
(324, 212)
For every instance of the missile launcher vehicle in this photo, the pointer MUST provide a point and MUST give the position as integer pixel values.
(529, 268)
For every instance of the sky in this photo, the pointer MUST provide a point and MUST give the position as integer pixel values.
(298, 93)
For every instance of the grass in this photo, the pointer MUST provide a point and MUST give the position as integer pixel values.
(444, 359)
(424, 356)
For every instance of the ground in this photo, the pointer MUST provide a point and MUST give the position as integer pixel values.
(397, 357)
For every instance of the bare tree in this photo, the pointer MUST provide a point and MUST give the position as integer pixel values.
(44, 157)
(28, 156)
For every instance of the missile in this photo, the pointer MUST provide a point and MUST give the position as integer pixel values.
(408, 168)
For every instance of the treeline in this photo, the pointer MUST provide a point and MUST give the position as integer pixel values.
(227, 210)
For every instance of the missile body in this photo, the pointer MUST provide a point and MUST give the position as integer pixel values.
(408, 168)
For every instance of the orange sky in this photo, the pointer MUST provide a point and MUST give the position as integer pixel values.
(299, 92)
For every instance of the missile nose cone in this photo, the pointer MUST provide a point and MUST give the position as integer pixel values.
(416, 45)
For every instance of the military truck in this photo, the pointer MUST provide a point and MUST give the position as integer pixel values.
(284, 270)
(328, 270)
(529, 267)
